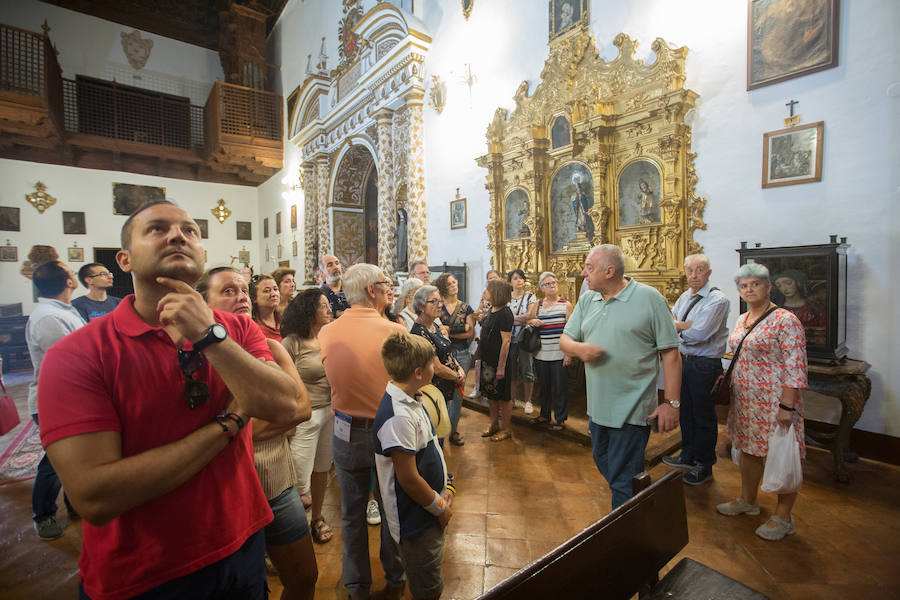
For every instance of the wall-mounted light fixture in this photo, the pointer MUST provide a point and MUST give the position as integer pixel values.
(221, 212)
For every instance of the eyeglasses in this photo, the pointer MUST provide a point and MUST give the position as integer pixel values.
(549, 284)
(100, 274)
(196, 392)
(438, 301)
(386, 282)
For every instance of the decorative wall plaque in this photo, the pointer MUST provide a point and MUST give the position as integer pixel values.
(39, 198)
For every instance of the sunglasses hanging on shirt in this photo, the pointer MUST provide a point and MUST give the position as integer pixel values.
(196, 392)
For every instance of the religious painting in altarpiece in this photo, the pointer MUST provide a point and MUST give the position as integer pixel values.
(626, 176)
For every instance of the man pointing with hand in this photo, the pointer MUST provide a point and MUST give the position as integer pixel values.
(142, 414)
(620, 329)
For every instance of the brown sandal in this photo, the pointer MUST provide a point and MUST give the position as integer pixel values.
(321, 532)
(503, 434)
(490, 431)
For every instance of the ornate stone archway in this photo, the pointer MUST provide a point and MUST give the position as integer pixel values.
(372, 102)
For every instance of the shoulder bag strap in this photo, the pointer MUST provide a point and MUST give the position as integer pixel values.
(737, 351)
(694, 302)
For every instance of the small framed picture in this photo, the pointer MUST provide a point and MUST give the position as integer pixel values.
(9, 253)
(793, 155)
(268, 256)
(294, 248)
(203, 224)
(293, 216)
(76, 254)
(279, 251)
(458, 214)
(278, 223)
(244, 231)
(9, 218)
(244, 257)
(266, 227)
(73, 223)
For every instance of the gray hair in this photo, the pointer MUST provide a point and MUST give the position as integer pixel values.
(421, 298)
(613, 257)
(357, 279)
(700, 258)
(751, 270)
(408, 287)
(544, 276)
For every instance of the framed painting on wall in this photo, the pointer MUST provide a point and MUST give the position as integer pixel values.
(9, 218)
(244, 231)
(790, 38)
(73, 223)
(266, 227)
(244, 257)
(203, 224)
(566, 14)
(293, 216)
(76, 254)
(9, 253)
(458, 215)
(278, 223)
(639, 187)
(793, 155)
(127, 196)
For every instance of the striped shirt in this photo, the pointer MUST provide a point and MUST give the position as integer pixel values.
(554, 319)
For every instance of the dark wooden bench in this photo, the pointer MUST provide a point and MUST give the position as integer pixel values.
(621, 555)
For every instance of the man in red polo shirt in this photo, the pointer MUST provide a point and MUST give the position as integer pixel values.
(142, 416)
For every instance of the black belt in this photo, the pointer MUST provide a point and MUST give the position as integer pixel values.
(360, 423)
(687, 357)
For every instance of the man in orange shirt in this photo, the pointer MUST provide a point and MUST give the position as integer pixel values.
(351, 353)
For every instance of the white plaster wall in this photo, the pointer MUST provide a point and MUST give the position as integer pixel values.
(90, 191)
(91, 46)
(505, 42)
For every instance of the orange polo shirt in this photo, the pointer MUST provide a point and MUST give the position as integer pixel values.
(351, 353)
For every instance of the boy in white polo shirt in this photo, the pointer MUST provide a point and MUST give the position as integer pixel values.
(411, 468)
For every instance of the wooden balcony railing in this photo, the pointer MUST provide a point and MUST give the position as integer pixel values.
(236, 114)
(29, 70)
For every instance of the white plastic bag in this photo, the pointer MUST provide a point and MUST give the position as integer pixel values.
(783, 473)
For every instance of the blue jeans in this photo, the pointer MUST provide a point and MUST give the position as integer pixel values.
(353, 463)
(552, 375)
(45, 489)
(699, 425)
(454, 405)
(619, 455)
(239, 576)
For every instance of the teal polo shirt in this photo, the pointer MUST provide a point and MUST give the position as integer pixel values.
(632, 326)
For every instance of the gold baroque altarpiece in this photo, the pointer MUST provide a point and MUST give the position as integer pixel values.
(599, 153)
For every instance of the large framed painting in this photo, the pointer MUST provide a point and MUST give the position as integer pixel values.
(515, 212)
(811, 282)
(128, 196)
(639, 193)
(571, 195)
(244, 231)
(566, 14)
(793, 155)
(790, 38)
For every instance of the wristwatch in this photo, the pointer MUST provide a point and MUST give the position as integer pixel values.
(676, 403)
(215, 334)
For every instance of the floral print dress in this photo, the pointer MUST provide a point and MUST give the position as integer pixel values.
(773, 357)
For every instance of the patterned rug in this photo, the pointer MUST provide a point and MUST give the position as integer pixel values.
(19, 461)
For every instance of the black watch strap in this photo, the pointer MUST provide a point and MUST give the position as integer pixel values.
(214, 334)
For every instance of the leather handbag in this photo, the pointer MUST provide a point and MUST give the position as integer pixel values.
(9, 415)
(529, 339)
(721, 390)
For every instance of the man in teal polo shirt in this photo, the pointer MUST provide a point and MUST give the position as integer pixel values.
(618, 329)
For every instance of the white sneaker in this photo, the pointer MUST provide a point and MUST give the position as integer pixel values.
(373, 517)
(475, 393)
(529, 408)
(518, 404)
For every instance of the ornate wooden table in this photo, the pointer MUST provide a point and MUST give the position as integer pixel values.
(849, 384)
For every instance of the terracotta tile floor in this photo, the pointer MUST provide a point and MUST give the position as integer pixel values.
(520, 498)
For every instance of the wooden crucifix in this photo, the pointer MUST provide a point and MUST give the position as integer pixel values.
(791, 119)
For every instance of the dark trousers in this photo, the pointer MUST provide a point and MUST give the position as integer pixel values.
(552, 375)
(619, 455)
(239, 576)
(45, 489)
(699, 425)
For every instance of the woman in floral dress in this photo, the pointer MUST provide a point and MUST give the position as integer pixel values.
(765, 393)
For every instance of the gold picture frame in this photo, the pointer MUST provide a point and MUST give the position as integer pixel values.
(566, 15)
(793, 155)
(458, 216)
(9, 253)
(76, 254)
(787, 39)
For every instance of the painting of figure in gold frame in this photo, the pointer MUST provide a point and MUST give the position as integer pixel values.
(571, 195)
(793, 155)
(639, 192)
(516, 210)
(566, 14)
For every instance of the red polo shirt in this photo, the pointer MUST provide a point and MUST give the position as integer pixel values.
(119, 374)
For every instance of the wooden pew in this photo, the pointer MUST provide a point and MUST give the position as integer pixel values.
(621, 555)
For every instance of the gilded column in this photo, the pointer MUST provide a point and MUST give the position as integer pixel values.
(387, 200)
(323, 220)
(415, 179)
(310, 220)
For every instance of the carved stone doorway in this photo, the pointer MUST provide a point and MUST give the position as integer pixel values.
(354, 206)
